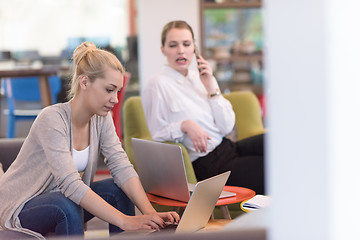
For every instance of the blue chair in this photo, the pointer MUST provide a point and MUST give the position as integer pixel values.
(24, 99)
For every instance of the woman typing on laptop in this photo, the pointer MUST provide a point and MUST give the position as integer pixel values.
(183, 105)
(50, 188)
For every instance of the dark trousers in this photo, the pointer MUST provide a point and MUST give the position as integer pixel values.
(244, 158)
(53, 212)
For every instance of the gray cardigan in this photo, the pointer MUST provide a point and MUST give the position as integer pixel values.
(45, 163)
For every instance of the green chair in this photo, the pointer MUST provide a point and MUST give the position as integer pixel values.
(248, 120)
(248, 123)
(135, 127)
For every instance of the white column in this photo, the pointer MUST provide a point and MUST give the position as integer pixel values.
(312, 51)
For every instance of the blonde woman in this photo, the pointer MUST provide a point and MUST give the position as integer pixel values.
(50, 188)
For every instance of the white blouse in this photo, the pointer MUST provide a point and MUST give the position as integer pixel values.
(81, 158)
(170, 98)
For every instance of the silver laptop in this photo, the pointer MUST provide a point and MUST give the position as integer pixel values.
(161, 169)
(202, 203)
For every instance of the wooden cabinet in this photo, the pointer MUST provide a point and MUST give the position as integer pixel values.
(231, 34)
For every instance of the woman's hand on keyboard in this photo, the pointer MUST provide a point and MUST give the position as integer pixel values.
(150, 221)
(172, 217)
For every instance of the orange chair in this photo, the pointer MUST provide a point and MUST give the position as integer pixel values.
(116, 112)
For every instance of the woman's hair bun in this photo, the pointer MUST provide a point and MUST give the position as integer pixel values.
(82, 50)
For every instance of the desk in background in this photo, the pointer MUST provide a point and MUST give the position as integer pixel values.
(43, 73)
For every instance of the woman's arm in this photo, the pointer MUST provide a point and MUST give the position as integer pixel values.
(197, 134)
(135, 191)
(206, 76)
(222, 110)
(97, 206)
(125, 177)
(94, 204)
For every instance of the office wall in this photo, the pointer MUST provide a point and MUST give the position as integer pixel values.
(312, 50)
(152, 16)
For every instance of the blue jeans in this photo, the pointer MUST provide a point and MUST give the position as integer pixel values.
(53, 212)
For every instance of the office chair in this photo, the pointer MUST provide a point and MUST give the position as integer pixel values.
(248, 118)
(24, 99)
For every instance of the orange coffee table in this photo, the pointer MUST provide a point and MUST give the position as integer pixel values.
(242, 194)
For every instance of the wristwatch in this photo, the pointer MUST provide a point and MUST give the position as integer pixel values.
(217, 93)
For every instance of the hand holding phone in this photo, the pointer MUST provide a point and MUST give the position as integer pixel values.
(206, 73)
(197, 55)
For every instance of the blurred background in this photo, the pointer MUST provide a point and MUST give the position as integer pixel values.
(51, 27)
(36, 34)
(40, 33)
(311, 82)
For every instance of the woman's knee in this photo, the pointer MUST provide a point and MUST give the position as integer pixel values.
(67, 212)
(69, 209)
(52, 212)
(251, 146)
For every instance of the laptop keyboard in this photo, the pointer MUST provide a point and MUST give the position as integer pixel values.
(169, 227)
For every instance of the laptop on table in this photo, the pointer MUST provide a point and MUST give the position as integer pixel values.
(161, 169)
(201, 204)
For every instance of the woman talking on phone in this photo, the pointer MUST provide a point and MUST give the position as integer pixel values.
(183, 105)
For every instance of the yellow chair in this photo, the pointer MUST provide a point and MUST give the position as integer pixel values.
(247, 110)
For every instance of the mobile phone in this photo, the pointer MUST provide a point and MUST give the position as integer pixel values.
(197, 54)
(196, 51)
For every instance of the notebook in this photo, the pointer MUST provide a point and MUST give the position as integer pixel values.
(161, 169)
(201, 204)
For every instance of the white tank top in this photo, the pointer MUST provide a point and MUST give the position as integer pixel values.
(81, 158)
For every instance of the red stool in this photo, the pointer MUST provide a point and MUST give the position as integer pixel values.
(116, 112)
